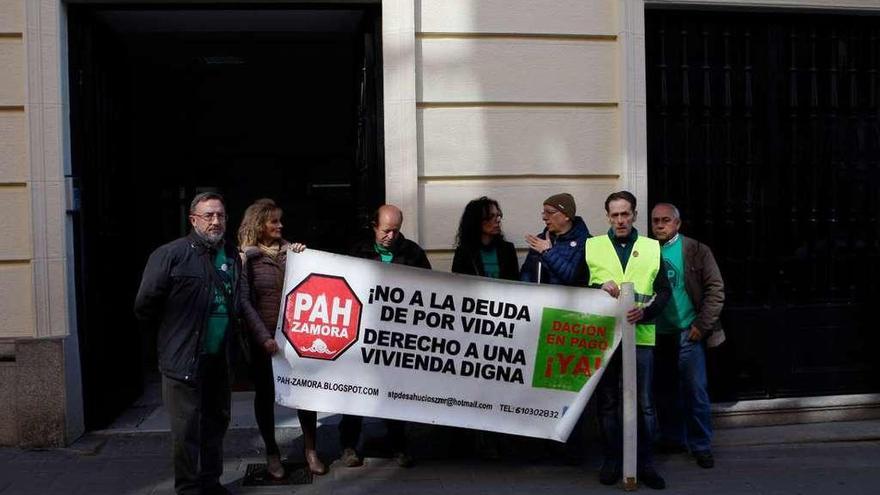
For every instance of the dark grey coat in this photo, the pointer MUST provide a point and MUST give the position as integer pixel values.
(175, 298)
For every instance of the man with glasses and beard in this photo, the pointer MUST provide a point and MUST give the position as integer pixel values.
(189, 294)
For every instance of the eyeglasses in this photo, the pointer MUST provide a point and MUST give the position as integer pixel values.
(549, 213)
(209, 217)
(493, 216)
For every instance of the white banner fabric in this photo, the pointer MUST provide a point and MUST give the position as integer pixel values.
(383, 340)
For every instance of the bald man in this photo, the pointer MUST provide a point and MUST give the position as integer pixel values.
(689, 323)
(387, 245)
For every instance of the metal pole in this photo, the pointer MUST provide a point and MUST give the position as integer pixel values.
(630, 424)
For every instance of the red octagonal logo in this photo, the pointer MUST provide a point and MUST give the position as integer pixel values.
(322, 317)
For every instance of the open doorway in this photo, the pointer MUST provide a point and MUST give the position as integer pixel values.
(276, 102)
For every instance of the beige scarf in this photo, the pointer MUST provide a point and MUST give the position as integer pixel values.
(271, 251)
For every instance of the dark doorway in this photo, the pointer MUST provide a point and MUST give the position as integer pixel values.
(277, 102)
(764, 129)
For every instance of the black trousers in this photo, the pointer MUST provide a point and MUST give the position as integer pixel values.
(350, 432)
(264, 397)
(610, 401)
(199, 415)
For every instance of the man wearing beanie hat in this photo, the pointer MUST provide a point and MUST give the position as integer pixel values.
(554, 258)
(555, 253)
(563, 202)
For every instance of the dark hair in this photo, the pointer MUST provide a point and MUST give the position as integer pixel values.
(205, 196)
(624, 195)
(470, 228)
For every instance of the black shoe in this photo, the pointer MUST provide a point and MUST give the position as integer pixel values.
(610, 472)
(350, 458)
(705, 459)
(404, 460)
(669, 447)
(651, 478)
(217, 489)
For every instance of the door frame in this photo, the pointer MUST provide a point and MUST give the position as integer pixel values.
(53, 195)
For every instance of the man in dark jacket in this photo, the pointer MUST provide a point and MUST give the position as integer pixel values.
(556, 253)
(685, 328)
(387, 245)
(189, 294)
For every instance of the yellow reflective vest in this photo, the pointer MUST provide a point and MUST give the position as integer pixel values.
(641, 270)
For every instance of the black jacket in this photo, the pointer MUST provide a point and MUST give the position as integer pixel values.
(405, 251)
(470, 262)
(175, 298)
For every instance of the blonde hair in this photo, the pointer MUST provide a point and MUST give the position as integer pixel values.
(255, 218)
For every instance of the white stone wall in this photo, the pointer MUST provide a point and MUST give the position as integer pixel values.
(517, 100)
(34, 252)
(33, 115)
(16, 237)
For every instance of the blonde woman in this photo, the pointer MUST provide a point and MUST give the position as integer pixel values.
(264, 253)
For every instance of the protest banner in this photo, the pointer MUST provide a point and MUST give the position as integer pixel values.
(383, 340)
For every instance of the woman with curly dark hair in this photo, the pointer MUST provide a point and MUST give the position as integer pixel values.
(480, 246)
(481, 250)
(264, 254)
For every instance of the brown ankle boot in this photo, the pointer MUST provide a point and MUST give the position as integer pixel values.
(315, 464)
(274, 467)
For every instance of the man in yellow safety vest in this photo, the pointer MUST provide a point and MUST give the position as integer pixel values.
(624, 256)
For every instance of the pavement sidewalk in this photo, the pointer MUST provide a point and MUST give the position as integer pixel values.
(820, 458)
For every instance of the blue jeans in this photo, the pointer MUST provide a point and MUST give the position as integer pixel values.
(683, 404)
(608, 395)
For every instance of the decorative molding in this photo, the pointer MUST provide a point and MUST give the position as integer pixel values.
(520, 36)
(518, 16)
(782, 411)
(14, 262)
(46, 110)
(400, 119)
(865, 5)
(521, 104)
(464, 178)
(633, 101)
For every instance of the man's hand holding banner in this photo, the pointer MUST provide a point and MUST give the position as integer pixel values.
(383, 340)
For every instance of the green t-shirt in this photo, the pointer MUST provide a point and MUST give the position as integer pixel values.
(218, 321)
(679, 312)
(490, 262)
(384, 254)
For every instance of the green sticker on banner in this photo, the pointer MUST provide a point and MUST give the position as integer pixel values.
(570, 348)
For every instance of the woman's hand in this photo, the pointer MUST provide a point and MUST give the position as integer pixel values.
(270, 346)
(296, 247)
